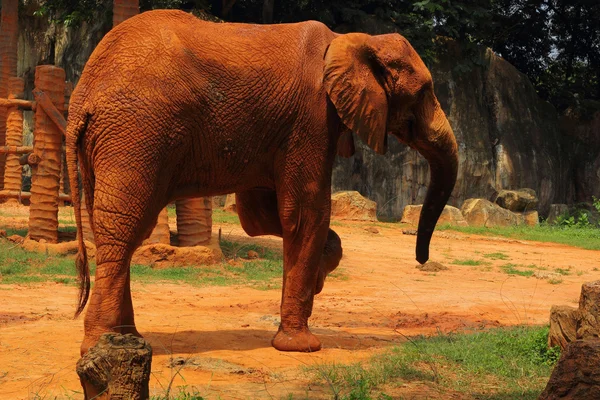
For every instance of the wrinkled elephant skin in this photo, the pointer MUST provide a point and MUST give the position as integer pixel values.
(169, 107)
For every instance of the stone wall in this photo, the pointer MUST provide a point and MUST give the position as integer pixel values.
(508, 138)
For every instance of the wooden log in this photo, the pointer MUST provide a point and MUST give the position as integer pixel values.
(589, 307)
(22, 104)
(55, 115)
(27, 195)
(16, 149)
(117, 367)
(576, 376)
(563, 326)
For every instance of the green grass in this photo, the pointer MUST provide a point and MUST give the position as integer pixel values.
(21, 266)
(502, 363)
(512, 269)
(218, 216)
(496, 256)
(469, 261)
(584, 237)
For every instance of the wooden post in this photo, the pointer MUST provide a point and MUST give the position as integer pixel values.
(161, 232)
(117, 367)
(123, 9)
(47, 143)
(194, 221)
(14, 137)
(8, 60)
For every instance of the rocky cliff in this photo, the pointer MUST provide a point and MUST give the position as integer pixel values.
(508, 137)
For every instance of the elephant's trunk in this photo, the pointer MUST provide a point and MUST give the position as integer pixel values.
(436, 142)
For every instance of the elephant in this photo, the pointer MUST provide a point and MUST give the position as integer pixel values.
(169, 106)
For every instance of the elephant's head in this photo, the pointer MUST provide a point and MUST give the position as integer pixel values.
(380, 85)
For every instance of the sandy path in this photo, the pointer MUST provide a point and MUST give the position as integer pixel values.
(224, 333)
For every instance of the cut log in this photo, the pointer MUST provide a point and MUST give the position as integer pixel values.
(576, 376)
(563, 326)
(589, 307)
(117, 367)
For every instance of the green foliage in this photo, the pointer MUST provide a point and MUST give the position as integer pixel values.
(516, 360)
(468, 261)
(512, 269)
(496, 256)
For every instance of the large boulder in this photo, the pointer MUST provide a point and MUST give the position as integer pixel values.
(529, 218)
(450, 215)
(482, 212)
(350, 205)
(517, 200)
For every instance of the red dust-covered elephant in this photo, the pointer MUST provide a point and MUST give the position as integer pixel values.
(169, 106)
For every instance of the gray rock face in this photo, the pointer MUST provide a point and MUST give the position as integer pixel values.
(508, 138)
(517, 200)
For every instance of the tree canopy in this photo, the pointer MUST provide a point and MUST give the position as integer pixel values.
(555, 42)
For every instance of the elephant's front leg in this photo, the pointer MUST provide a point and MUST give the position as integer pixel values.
(304, 234)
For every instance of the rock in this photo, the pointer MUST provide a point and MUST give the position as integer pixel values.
(2, 233)
(563, 326)
(63, 248)
(409, 232)
(230, 203)
(517, 200)
(450, 215)
(219, 201)
(529, 218)
(252, 254)
(481, 212)
(576, 376)
(589, 308)
(489, 108)
(431, 266)
(350, 205)
(557, 210)
(372, 229)
(160, 255)
(15, 239)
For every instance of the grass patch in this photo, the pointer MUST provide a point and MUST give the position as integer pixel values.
(502, 363)
(21, 267)
(469, 261)
(496, 256)
(555, 281)
(512, 269)
(583, 237)
(563, 271)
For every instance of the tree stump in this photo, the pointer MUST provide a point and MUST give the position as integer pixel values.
(563, 326)
(117, 367)
(576, 376)
(589, 307)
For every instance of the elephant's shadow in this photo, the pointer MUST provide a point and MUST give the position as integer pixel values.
(196, 342)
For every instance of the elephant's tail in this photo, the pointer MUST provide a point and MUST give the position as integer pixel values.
(75, 128)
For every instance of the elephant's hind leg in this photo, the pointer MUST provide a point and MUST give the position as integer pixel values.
(123, 216)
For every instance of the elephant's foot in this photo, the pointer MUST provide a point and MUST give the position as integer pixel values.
(302, 341)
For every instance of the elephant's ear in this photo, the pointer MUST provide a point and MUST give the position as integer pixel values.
(351, 80)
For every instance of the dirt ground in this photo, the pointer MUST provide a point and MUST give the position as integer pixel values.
(217, 339)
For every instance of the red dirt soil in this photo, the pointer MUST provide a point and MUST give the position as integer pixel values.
(223, 334)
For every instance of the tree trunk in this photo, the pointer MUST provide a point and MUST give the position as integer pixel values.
(9, 30)
(267, 11)
(117, 367)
